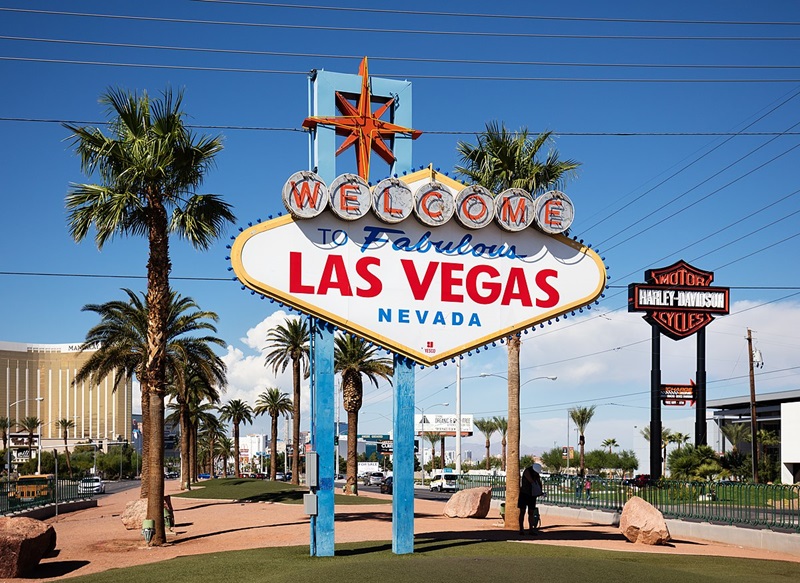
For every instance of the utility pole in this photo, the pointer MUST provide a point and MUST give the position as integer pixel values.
(753, 420)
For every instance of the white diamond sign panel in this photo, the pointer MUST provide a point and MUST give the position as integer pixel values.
(429, 293)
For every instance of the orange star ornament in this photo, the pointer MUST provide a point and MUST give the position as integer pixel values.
(362, 127)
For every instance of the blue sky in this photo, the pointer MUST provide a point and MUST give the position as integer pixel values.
(683, 115)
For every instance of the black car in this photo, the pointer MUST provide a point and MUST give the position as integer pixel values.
(387, 485)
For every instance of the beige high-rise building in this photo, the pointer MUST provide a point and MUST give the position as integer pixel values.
(47, 371)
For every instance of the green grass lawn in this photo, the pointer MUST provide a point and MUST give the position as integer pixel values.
(461, 561)
(251, 490)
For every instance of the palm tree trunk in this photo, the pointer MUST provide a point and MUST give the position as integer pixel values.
(512, 457)
(144, 489)
(296, 425)
(158, 268)
(66, 453)
(186, 455)
(442, 448)
(488, 443)
(351, 487)
(236, 449)
(273, 448)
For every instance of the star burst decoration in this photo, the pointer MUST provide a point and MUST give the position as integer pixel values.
(362, 127)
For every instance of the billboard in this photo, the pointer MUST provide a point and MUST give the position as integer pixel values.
(431, 288)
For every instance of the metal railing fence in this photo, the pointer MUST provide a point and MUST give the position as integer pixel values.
(773, 506)
(26, 493)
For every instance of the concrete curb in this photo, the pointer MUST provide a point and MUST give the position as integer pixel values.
(44, 512)
(753, 538)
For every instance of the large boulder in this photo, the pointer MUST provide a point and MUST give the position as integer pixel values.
(641, 522)
(471, 503)
(135, 512)
(23, 543)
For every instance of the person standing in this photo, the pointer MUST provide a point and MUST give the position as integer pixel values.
(529, 490)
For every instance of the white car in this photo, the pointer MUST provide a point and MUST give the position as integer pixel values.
(446, 484)
(92, 485)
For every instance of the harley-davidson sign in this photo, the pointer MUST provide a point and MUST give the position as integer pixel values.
(427, 292)
(678, 299)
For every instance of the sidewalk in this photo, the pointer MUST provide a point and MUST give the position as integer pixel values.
(94, 540)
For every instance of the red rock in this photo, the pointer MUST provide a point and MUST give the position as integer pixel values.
(471, 503)
(641, 522)
(135, 512)
(23, 543)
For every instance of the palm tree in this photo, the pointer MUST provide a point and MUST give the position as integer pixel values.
(680, 439)
(610, 443)
(31, 425)
(666, 434)
(209, 433)
(736, 433)
(501, 424)
(581, 416)
(224, 448)
(274, 403)
(149, 166)
(289, 343)
(201, 415)
(119, 343)
(237, 412)
(487, 427)
(4, 427)
(65, 425)
(502, 160)
(352, 358)
(195, 380)
(433, 439)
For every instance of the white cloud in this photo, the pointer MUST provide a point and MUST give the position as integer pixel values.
(248, 377)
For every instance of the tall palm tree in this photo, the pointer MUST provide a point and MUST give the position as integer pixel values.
(237, 412)
(352, 358)
(149, 169)
(581, 416)
(487, 427)
(500, 160)
(65, 425)
(209, 433)
(197, 379)
(501, 423)
(31, 425)
(610, 443)
(274, 403)
(4, 427)
(289, 343)
(120, 344)
(736, 433)
(433, 439)
(224, 448)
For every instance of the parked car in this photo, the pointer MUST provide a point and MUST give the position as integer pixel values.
(387, 485)
(203, 476)
(171, 475)
(375, 479)
(446, 484)
(91, 485)
(280, 476)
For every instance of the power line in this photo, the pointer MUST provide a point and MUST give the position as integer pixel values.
(428, 132)
(489, 62)
(459, 33)
(497, 78)
(501, 16)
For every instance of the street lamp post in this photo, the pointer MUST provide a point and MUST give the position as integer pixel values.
(9, 404)
(422, 437)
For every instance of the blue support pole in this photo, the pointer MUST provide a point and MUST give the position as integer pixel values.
(403, 454)
(323, 436)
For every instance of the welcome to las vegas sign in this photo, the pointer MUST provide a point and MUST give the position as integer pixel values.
(428, 288)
